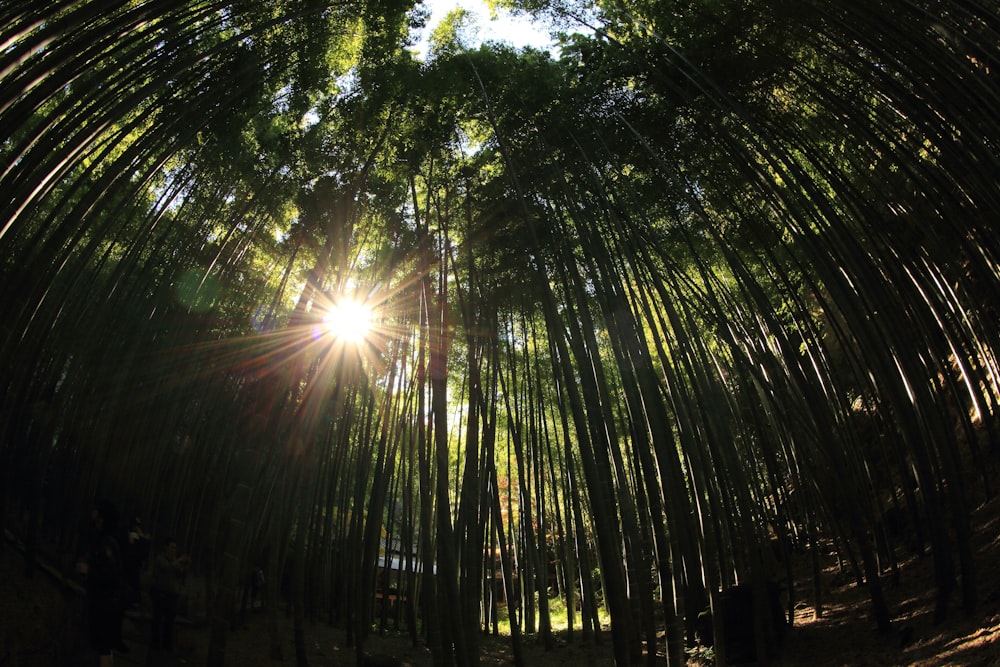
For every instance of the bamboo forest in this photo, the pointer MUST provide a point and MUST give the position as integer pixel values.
(627, 346)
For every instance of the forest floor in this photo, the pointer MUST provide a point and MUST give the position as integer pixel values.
(41, 625)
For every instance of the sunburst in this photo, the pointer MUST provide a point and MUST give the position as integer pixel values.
(349, 321)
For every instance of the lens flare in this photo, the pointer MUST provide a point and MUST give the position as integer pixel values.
(348, 321)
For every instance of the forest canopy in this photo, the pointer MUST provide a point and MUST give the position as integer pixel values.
(712, 282)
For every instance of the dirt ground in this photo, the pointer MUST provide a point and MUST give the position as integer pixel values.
(42, 625)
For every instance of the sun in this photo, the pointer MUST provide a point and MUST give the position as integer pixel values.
(348, 321)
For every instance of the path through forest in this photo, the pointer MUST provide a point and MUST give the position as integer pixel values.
(41, 626)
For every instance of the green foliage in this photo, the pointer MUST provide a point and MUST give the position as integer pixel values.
(636, 304)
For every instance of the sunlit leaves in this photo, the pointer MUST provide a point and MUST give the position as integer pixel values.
(694, 261)
(453, 34)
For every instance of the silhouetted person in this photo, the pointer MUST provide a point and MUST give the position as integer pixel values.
(168, 569)
(135, 553)
(257, 587)
(102, 567)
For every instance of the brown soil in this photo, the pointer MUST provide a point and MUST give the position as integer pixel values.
(41, 624)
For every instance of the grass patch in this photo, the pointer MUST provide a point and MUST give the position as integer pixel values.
(558, 618)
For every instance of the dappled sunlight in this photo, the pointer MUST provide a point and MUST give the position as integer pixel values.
(845, 634)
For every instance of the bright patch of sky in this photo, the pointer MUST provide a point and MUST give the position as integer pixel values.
(519, 31)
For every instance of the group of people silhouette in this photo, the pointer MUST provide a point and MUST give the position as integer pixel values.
(111, 564)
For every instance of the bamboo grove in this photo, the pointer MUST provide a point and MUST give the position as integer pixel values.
(714, 282)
